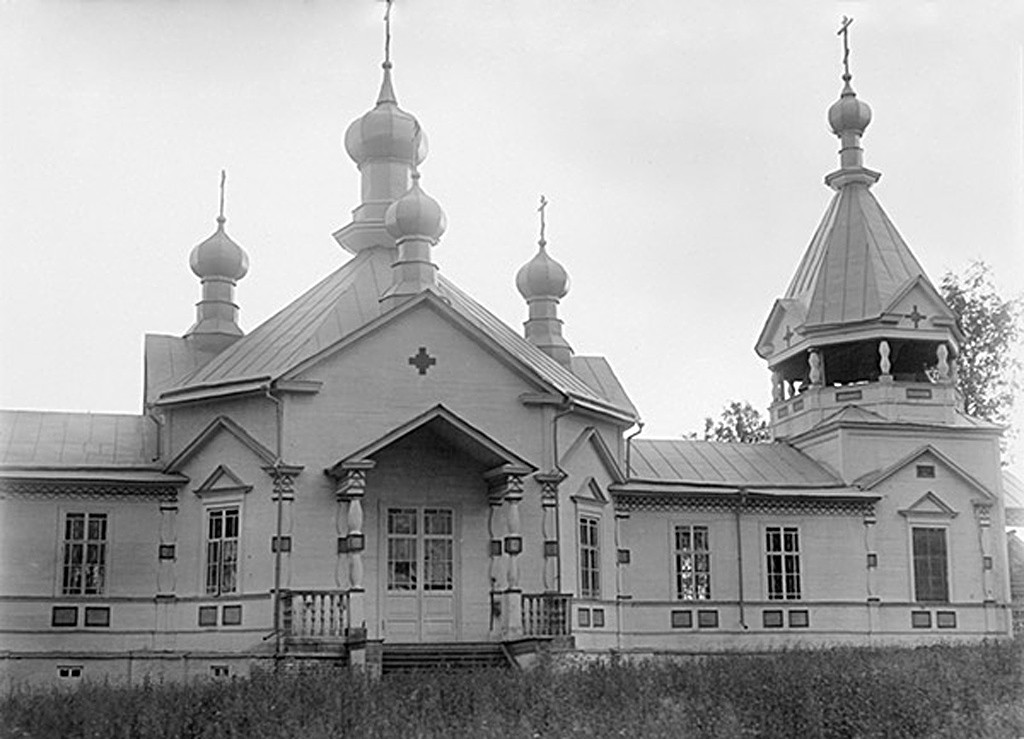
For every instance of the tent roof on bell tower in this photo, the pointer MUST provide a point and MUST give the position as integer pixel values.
(856, 263)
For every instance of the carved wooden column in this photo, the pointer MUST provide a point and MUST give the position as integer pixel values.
(497, 568)
(884, 363)
(352, 488)
(513, 548)
(871, 563)
(166, 579)
(549, 483)
(623, 555)
(284, 496)
(814, 369)
(778, 391)
(983, 514)
(942, 363)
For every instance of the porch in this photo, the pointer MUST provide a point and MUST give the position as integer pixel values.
(321, 620)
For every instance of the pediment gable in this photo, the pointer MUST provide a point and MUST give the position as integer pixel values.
(924, 453)
(929, 505)
(590, 492)
(222, 481)
(450, 426)
(780, 329)
(590, 438)
(221, 425)
(918, 305)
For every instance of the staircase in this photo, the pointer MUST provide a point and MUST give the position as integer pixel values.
(443, 656)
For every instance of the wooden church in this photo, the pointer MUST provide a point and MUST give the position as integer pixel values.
(384, 472)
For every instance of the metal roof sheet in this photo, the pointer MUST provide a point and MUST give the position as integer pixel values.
(598, 374)
(855, 264)
(46, 439)
(168, 359)
(347, 300)
(688, 460)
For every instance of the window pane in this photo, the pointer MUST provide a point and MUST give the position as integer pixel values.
(437, 522)
(401, 521)
(75, 526)
(231, 523)
(97, 527)
(700, 538)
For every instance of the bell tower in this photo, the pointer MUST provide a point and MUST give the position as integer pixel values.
(860, 325)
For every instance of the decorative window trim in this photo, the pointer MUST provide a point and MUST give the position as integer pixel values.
(674, 571)
(218, 588)
(947, 543)
(786, 594)
(589, 573)
(62, 587)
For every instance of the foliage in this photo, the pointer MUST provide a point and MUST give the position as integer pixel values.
(739, 422)
(989, 369)
(940, 691)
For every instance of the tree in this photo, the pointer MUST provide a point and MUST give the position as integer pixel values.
(989, 364)
(739, 422)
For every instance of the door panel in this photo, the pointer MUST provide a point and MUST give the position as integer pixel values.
(420, 591)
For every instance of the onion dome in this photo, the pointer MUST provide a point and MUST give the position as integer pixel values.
(415, 215)
(848, 114)
(386, 131)
(542, 277)
(219, 256)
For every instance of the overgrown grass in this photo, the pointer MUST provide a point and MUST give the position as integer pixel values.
(937, 691)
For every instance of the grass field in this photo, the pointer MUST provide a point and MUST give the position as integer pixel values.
(940, 691)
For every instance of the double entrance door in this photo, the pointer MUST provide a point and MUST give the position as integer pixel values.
(421, 586)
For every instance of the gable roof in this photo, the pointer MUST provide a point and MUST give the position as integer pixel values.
(873, 479)
(604, 454)
(345, 302)
(55, 439)
(723, 463)
(449, 426)
(216, 426)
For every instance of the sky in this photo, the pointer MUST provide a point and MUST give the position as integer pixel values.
(682, 147)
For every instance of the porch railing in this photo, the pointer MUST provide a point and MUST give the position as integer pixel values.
(547, 614)
(314, 613)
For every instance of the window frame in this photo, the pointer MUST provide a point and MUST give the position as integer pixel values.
(589, 590)
(674, 564)
(912, 525)
(204, 560)
(786, 595)
(61, 590)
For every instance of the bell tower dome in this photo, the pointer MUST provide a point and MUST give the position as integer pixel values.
(860, 324)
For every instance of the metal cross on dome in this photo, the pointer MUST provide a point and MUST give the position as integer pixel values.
(422, 361)
(844, 31)
(788, 336)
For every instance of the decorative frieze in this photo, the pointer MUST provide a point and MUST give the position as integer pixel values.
(628, 501)
(160, 492)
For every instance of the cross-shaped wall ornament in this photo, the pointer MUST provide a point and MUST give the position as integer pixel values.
(422, 361)
(788, 336)
(916, 317)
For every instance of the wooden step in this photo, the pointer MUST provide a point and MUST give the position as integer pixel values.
(447, 655)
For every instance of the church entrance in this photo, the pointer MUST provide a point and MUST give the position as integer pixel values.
(421, 589)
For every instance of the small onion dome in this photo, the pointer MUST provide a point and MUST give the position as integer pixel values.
(848, 113)
(415, 214)
(387, 131)
(219, 256)
(542, 277)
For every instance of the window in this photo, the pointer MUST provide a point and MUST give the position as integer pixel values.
(590, 559)
(85, 554)
(930, 578)
(682, 619)
(707, 619)
(926, 470)
(782, 547)
(231, 616)
(66, 616)
(222, 551)
(207, 615)
(70, 672)
(771, 619)
(693, 563)
(438, 549)
(402, 532)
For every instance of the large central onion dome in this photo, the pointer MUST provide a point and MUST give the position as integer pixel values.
(415, 215)
(219, 256)
(386, 131)
(542, 277)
